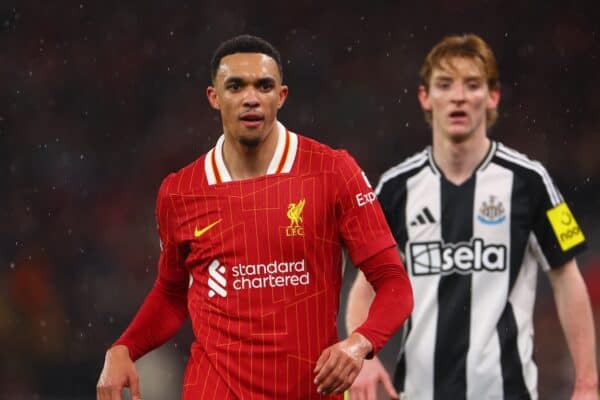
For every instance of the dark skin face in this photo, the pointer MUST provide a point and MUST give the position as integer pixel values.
(247, 91)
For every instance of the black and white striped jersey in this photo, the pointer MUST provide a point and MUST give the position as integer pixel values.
(472, 252)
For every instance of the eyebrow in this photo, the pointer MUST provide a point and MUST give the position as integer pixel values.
(240, 80)
(466, 78)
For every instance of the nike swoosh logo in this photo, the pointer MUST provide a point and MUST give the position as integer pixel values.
(200, 232)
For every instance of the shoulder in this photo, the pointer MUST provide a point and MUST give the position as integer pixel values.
(187, 178)
(405, 169)
(324, 158)
(531, 171)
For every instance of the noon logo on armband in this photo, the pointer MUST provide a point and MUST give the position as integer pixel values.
(565, 227)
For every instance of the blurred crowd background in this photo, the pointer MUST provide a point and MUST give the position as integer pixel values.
(100, 100)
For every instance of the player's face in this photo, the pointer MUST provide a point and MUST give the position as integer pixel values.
(248, 92)
(458, 99)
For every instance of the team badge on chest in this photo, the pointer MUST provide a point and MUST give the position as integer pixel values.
(491, 212)
(294, 213)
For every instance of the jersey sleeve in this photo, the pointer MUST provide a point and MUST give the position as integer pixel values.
(362, 224)
(557, 237)
(170, 264)
(165, 308)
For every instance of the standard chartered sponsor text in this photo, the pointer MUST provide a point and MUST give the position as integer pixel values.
(273, 274)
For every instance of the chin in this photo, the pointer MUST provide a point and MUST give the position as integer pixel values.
(250, 141)
(459, 136)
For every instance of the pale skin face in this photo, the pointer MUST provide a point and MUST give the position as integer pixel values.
(458, 98)
(247, 90)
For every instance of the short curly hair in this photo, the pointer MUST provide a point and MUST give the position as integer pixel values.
(244, 44)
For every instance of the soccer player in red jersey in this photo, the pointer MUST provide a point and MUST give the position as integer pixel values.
(251, 250)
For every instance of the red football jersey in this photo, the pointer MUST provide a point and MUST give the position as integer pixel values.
(264, 260)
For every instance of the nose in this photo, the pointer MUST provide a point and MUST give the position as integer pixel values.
(458, 93)
(250, 97)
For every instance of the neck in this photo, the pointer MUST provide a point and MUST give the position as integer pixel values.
(246, 162)
(458, 160)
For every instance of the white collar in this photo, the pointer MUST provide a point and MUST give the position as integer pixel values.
(281, 163)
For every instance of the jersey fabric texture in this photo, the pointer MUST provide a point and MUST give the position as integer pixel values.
(472, 253)
(264, 256)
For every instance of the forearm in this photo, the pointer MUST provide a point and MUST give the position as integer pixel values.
(575, 315)
(393, 299)
(359, 300)
(161, 315)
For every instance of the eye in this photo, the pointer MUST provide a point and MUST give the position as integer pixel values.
(233, 86)
(474, 85)
(444, 85)
(266, 86)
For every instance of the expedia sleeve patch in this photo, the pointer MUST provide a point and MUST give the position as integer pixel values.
(565, 227)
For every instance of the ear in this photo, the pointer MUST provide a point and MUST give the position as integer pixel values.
(211, 95)
(493, 99)
(424, 98)
(283, 92)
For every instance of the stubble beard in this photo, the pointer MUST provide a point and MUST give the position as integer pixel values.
(249, 142)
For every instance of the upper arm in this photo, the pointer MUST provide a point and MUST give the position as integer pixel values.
(362, 225)
(171, 261)
(556, 231)
(566, 274)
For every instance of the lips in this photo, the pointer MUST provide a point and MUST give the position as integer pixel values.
(251, 119)
(458, 114)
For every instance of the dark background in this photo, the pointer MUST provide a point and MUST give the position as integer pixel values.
(100, 100)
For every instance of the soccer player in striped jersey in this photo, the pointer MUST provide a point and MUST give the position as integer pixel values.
(251, 238)
(474, 219)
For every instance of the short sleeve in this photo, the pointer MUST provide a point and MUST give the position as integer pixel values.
(557, 236)
(170, 264)
(362, 224)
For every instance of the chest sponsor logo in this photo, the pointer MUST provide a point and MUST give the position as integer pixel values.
(216, 279)
(491, 212)
(432, 258)
(256, 276)
(294, 213)
(565, 227)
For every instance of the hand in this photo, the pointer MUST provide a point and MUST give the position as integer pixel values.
(118, 372)
(366, 383)
(338, 365)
